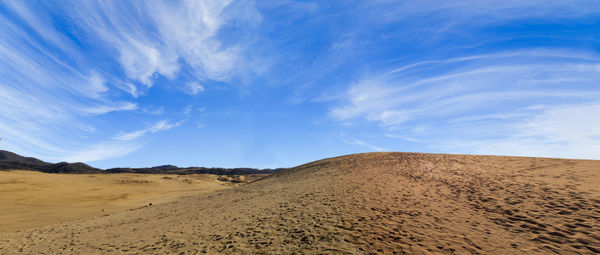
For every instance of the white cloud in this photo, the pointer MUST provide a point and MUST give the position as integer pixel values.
(49, 92)
(190, 28)
(141, 61)
(156, 37)
(53, 92)
(103, 109)
(130, 88)
(568, 131)
(96, 86)
(100, 151)
(163, 125)
(193, 88)
(446, 15)
(363, 144)
(131, 135)
(394, 99)
(483, 104)
(159, 126)
(578, 125)
(402, 137)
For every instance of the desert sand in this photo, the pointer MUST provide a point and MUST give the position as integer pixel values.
(34, 199)
(389, 203)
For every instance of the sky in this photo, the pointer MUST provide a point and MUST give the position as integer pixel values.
(280, 83)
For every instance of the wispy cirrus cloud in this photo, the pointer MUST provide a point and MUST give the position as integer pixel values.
(357, 142)
(102, 109)
(67, 70)
(399, 75)
(569, 131)
(491, 103)
(158, 38)
(436, 90)
(159, 126)
(448, 17)
(100, 151)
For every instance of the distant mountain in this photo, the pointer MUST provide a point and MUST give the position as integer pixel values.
(9, 156)
(9, 160)
(71, 168)
(169, 169)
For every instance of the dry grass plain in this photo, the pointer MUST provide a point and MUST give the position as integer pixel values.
(387, 203)
(34, 199)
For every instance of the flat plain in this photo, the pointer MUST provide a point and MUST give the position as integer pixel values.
(386, 203)
(34, 199)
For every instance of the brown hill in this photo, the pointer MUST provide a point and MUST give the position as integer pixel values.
(366, 203)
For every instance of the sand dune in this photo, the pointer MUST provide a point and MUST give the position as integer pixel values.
(391, 203)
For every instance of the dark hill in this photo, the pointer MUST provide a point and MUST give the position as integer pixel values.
(9, 160)
(9, 156)
(71, 168)
(169, 169)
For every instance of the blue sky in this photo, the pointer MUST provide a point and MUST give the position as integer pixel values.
(280, 83)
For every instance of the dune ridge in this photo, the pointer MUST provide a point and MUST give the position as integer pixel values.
(390, 203)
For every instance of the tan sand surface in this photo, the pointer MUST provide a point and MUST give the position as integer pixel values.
(389, 203)
(33, 199)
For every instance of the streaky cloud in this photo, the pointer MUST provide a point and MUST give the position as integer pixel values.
(450, 103)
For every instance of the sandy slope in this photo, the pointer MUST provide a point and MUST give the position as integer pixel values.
(366, 203)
